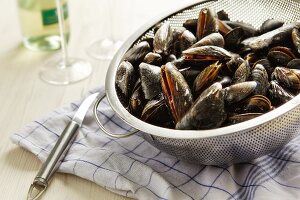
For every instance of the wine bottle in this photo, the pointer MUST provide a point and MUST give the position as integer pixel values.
(39, 24)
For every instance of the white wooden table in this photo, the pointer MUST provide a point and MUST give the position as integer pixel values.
(24, 97)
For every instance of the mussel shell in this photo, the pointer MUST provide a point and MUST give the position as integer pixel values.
(187, 39)
(260, 75)
(279, 58)
(256, 104)
(249, 30)
(223, 27)
(238, 118)
(296, 38)
(176, 46)
(156, 112)
(278, 94)
(288, 77)
(242, 73)
(163, 39)
(234, 63)
(150, 80)
(207, 23)
(191, 25)
(233, 38)
(208, 53)
(136, 54)
(153, 59)
(267, 65)
(222, 15)
(176, 91)
(239, 91)
(277, 37)
(213, 39)
(179, 63)
(207, 111)
(125, 80)
(270, 25)
(206, 78)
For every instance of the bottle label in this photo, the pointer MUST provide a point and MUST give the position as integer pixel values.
(50, 17)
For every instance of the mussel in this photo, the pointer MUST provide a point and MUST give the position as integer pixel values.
(207, 111)
(176, 91)
(207, 23)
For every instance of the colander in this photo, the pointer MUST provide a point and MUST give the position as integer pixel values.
(227, 145)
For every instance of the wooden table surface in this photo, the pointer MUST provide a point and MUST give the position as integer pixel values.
(24, 97)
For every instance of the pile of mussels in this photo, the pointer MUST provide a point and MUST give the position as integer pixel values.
(211, 72)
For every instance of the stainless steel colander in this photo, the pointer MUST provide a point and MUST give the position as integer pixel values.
(232, 144)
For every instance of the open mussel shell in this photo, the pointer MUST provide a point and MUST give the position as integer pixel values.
(223, 27)
(206, 53)
(177, 93)
(206, 78)
(207, 23)
(206, 112)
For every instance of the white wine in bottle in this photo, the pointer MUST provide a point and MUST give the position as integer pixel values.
(39, 24)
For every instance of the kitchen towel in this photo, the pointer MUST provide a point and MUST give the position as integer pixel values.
(134, 168)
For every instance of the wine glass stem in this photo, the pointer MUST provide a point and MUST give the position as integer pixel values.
(61, 24)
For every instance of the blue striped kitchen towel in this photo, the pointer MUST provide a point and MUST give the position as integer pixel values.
(134, 168)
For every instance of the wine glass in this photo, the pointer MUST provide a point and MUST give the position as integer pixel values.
(63, 70)
(104, 48)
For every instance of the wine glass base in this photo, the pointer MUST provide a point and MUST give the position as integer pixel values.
(103, 49)
(55, 72)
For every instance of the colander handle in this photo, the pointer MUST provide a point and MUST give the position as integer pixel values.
(101, 125)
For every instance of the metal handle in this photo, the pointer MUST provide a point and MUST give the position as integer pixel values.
(101, 125)
(54, 159)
